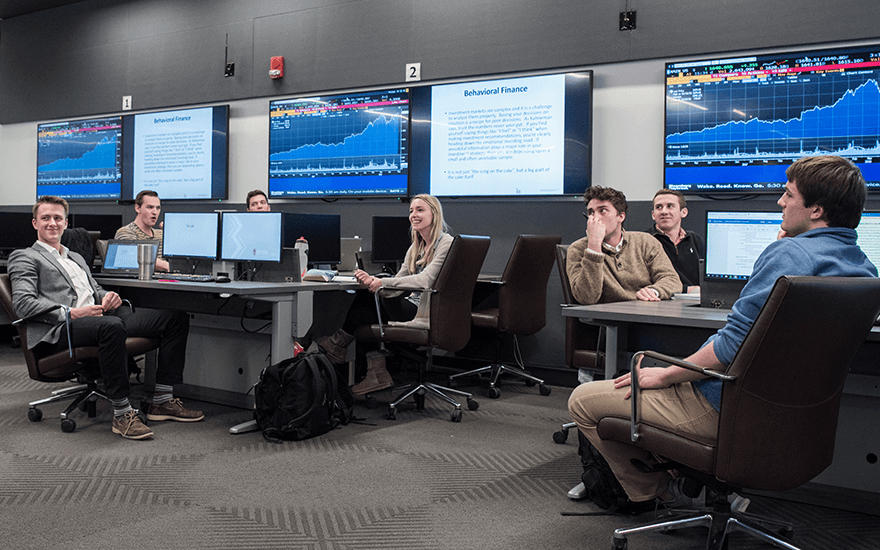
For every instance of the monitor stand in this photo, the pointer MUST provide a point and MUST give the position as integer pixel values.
(224, 266)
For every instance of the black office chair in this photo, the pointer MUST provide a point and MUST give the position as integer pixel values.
(779, 404)
(449, 327)
(522, 306)
(74, 364)
(583, 342)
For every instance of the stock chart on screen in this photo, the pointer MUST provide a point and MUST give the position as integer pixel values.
(80, 159)
(342, 145)
(735, 125)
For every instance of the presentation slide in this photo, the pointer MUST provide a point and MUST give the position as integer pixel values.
(172, 153)
(502, 137)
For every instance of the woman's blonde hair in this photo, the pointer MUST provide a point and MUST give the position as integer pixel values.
(423, 252)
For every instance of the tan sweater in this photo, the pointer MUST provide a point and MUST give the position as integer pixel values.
(616, 277)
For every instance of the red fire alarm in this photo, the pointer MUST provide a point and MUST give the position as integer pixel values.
(276, 66)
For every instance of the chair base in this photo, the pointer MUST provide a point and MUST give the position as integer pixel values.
(721, 523)
(496, 370)
(83, 395)
(559, 437)
(418, 390)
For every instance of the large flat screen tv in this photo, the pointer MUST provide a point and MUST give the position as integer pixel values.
(518, 135)
(180, 154)
(80, 159)
(733, 125)
(346, 145)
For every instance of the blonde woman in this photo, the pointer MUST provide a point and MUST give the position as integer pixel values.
(421, 266)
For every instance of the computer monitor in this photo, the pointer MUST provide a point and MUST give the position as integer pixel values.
(106, 224)
(391, 239)
(180, 154)
(17, 232)
(733, 125)
(734, 240)
(347, 145)
(80, 159)
(869, 236)
(190, 235)
(516, 135)
(251, 236)
(322, 231)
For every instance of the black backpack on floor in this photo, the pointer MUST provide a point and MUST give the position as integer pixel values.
(301, 397)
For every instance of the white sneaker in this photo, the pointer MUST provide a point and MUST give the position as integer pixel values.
(578, 492)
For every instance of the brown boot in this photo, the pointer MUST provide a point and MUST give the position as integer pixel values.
(336, 345)
(377, 377)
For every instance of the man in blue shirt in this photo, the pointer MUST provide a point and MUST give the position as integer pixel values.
(821, 207)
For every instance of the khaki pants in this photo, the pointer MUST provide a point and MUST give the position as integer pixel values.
(681, 408)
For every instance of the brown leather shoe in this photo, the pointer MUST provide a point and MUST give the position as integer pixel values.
(129, 426)
(336, 345)
(172, 410)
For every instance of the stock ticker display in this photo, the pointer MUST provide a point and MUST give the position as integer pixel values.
(80, 159)
(343, 145)
(735, 125)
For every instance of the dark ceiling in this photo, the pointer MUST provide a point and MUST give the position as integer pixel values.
(13, 8)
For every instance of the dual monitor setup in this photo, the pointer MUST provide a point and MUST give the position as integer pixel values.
(262, 236)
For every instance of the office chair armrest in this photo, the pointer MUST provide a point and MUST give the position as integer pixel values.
(37, 314)
(634, 398)
(406, 289)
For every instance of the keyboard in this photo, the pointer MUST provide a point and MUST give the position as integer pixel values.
(194, 278)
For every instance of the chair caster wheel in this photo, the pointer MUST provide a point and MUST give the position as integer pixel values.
(530, 383)
(544, 389)
(371, 402)
(493, 393)
(560, 437)
(472, 404)
(392, 413)
(618, 544)
(68, 425)
(35, 415)
(456, 415)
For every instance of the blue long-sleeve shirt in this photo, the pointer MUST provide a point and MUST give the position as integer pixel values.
(828, 251)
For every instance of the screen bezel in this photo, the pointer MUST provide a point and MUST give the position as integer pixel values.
(219, 153)
(767, 177)
(578, 135)
(117, 191)
(183, 215)
(276, 251)
(274, 184)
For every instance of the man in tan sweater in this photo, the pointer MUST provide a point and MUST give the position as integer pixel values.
(613, 265)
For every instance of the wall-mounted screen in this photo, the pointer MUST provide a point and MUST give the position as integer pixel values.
(348, 145)
(391, 239)
(80, 159)
(512, 136)
(181, 154)
(869, 236)
(190, 235)
(251, 236)
(734, 125)
(734, 240)
(322, 231)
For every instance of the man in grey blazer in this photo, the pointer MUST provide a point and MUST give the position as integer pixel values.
(48, 274)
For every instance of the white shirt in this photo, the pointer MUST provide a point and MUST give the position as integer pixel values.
(85, 294)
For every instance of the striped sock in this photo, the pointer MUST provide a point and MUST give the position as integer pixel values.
(121, 406)
(162, 394)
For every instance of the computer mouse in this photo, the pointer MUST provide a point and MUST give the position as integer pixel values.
(222, 280)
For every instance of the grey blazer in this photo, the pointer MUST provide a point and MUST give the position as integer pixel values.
(39, 281)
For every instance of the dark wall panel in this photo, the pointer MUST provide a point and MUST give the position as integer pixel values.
(81, 59)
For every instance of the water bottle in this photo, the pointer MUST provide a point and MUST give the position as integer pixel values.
(302, 245)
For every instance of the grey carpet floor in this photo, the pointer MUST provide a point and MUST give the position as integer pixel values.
(494, 481)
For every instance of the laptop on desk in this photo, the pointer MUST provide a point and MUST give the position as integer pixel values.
(121, 258)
